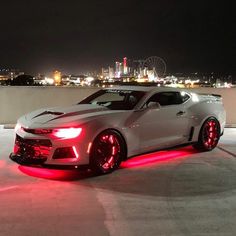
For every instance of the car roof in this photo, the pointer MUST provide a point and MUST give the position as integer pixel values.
(144, 88)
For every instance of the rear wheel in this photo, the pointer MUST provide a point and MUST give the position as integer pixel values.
(108, 150)
(209, 135)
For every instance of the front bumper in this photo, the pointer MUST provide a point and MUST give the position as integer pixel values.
(26, 161)
(40, 150)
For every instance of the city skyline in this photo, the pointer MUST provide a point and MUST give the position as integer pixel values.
(79, 37)
(118, 67)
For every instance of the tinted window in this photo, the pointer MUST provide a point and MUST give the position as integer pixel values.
(184, 96)
(166, 98)
(115, 99)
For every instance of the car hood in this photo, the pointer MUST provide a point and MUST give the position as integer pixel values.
(63, 116)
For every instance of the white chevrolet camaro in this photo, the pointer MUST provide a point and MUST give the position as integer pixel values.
(116, 123)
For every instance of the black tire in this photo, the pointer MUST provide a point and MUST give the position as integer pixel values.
(209, 135)
(107, 152)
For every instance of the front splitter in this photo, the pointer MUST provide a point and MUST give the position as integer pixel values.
(27, 161)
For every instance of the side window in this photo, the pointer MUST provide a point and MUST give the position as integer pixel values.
(184, 96)
(166, 98)
(109, 97)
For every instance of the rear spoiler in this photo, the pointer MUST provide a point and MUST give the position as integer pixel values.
(216, 95)
(213, 94)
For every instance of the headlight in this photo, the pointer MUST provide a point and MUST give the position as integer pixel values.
(67, 133)
(63, 133)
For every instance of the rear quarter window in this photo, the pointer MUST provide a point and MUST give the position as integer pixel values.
(184, 96)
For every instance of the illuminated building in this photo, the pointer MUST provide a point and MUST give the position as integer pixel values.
(117, 70)
(111, 72)
(105, 73)
(125, 66)
(9, 74)
(57, 77)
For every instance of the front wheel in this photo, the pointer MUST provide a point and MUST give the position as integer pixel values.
(108, 150)
(209, 135)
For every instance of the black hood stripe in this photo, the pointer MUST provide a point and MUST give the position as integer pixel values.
(49, 113)
(76, 113)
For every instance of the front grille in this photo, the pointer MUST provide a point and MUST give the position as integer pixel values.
(37, 131)
(37, 149)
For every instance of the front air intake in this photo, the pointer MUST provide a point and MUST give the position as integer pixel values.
(32, 148)
(65, 152)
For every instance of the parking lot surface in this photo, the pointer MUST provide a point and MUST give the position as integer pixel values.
(175, 192)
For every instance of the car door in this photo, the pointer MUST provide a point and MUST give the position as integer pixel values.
(165, 126)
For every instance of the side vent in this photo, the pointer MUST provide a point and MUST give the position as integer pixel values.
(191, 134)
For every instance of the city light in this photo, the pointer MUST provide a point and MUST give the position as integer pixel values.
(151, 70)
(57, 77)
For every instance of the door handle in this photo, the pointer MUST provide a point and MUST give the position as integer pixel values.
(180, 113)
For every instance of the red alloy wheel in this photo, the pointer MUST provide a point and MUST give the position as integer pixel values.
(209, 135)
(107, 152)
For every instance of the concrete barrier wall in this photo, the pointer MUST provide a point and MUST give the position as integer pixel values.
(16, 101)
(229, 100)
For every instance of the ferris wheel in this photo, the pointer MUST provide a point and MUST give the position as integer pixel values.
(156, 64)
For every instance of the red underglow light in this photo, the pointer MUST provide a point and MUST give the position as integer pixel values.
(2, 163)
(75, 152)
(49, 173)
(157, 157)
(113, 150)
(110, 160)
(111, 139)
(67, 133)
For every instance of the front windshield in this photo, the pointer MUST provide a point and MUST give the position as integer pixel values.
(115, 99)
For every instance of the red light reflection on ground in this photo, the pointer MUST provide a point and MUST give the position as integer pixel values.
(157, 157)
(49, 173)
(2, 163)
(142, 160)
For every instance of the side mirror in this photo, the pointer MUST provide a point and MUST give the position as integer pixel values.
(153, 105)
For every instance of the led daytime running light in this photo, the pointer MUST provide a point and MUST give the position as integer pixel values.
(17, 127)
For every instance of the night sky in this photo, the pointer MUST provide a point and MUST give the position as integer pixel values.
(80, 36)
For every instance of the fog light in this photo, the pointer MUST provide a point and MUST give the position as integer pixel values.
(65, 152)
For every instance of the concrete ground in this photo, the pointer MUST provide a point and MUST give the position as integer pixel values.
(177, 192)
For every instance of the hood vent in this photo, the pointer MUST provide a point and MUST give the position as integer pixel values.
(76, 113)
(49, 113)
